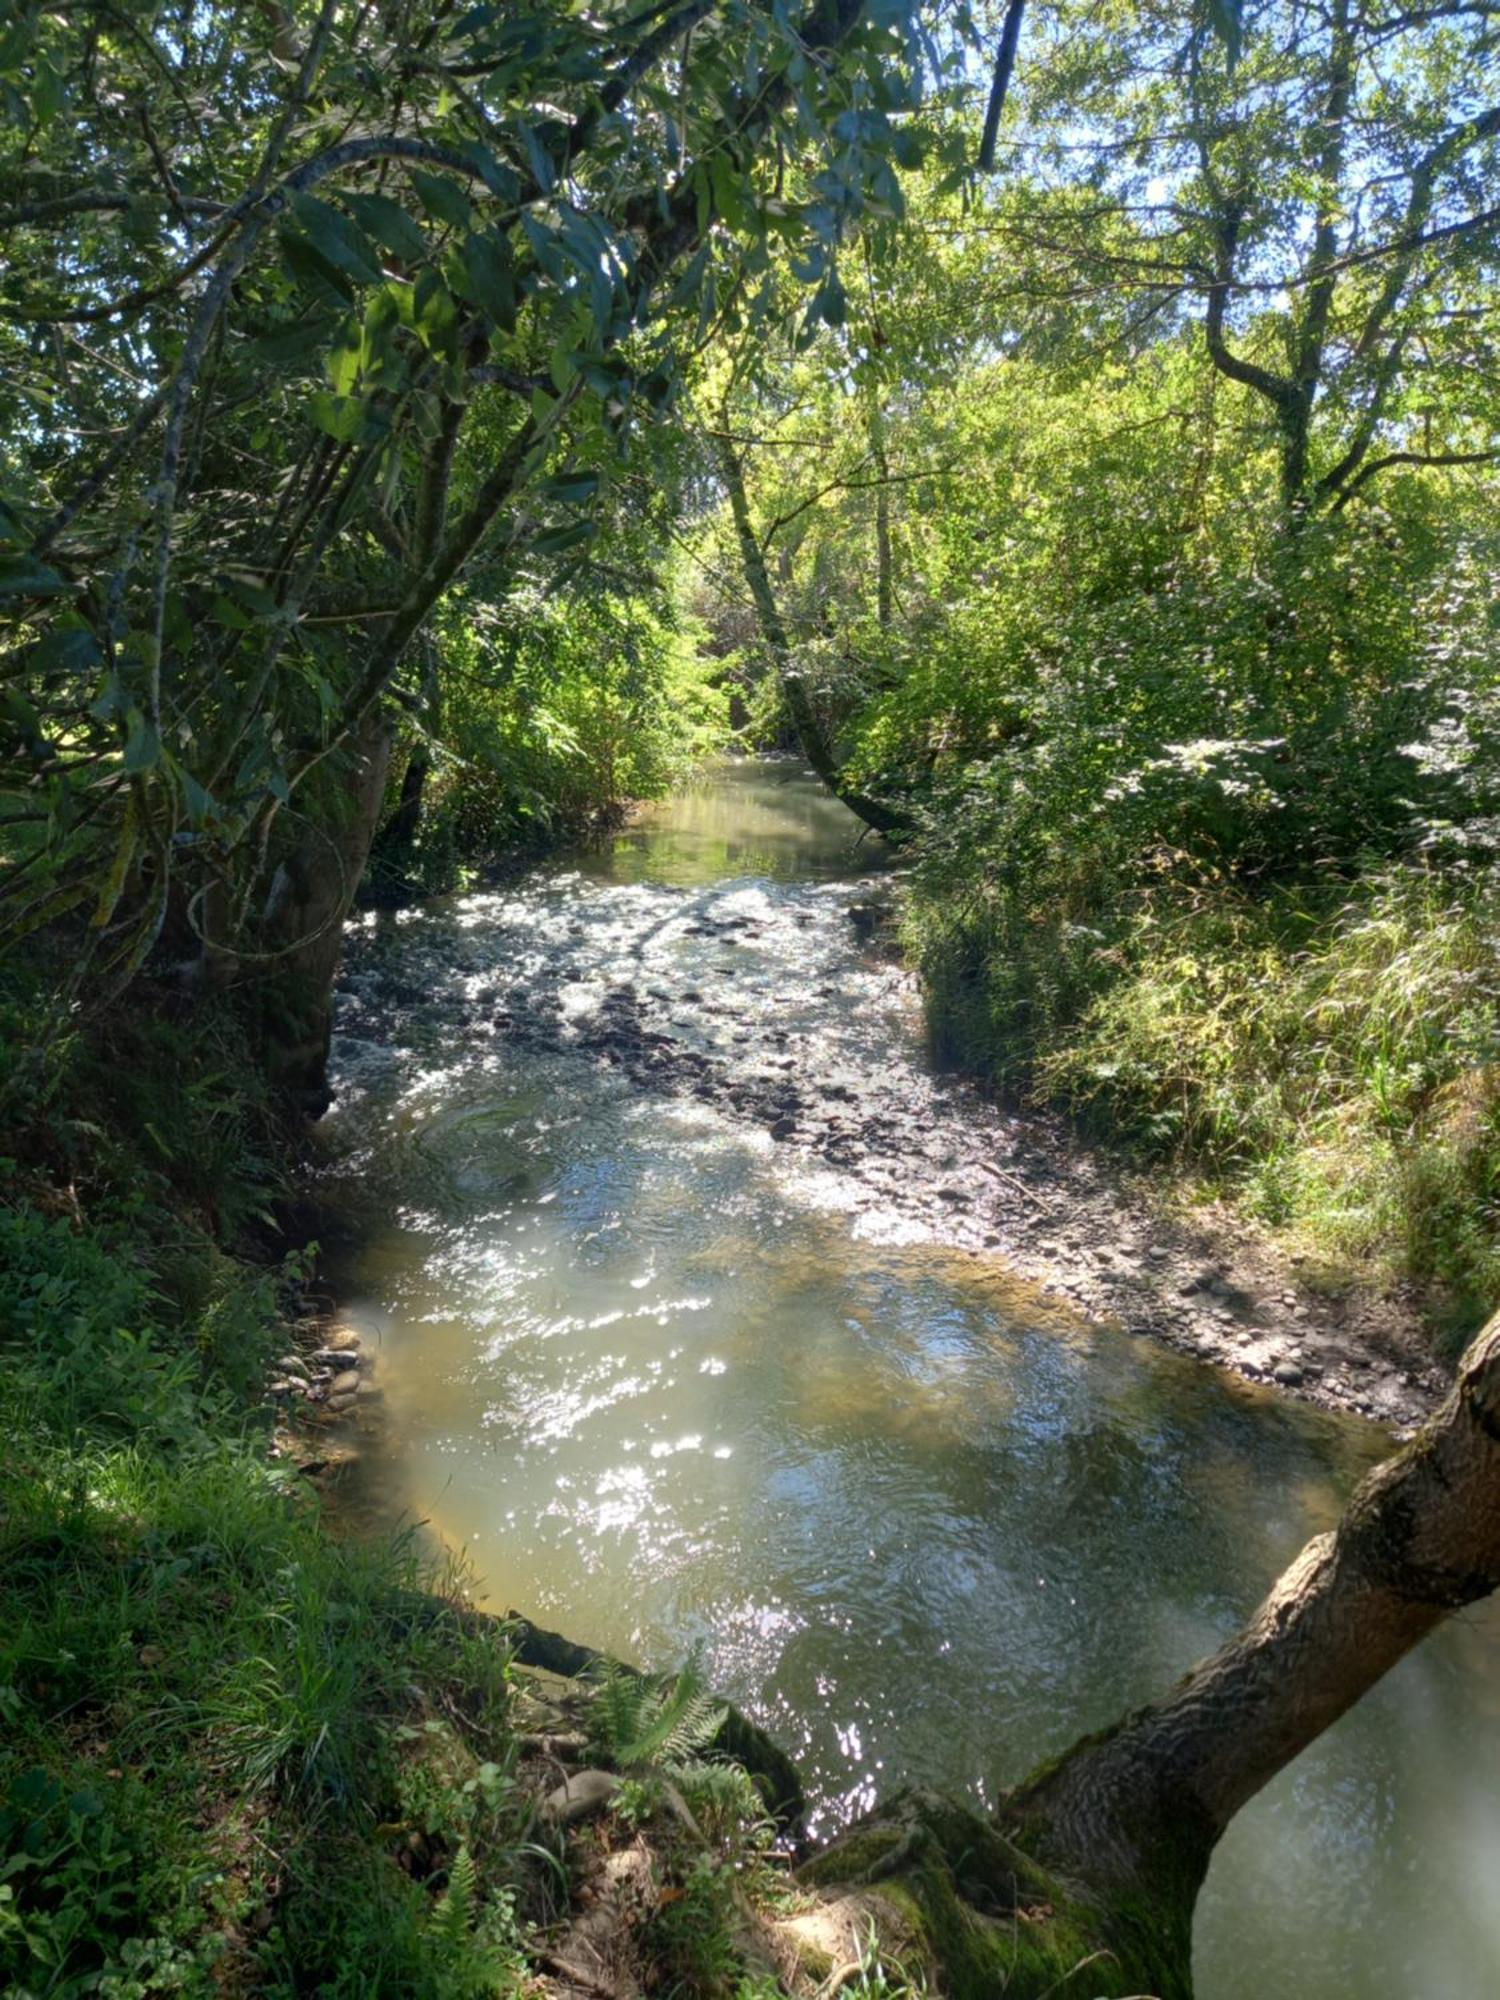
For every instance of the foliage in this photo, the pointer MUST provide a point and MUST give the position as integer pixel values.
(645, 1720)
(1174, 758)
(354, 308)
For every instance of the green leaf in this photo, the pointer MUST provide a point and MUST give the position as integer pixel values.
(68, 647)
(24, 576)
(291, 343)
(348, 418)
(492, 279)
(18, 711)
(728, 190)
(142, 744)
(344, 359)
(554, 540)
(562, 363)
(336, 239)
(388, 222)
(539, 161)
(444, 200)
(434, 314)
(572, 487)
(500, 179)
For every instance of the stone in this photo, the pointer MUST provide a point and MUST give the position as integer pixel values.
(580, 1797)
(346, 1384)
(343, 1340)
(336, 1358)
(783, 1128)
(293, 1364)
(1288, 1374)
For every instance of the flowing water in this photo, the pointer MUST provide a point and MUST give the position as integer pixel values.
(673, 1382)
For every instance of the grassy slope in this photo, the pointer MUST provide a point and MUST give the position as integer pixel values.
(1324, 1060)
(232, 1757)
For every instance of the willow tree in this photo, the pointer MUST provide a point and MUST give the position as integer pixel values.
(309, 312)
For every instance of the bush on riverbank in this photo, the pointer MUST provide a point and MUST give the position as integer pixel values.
(555, 715)
(1204, 793)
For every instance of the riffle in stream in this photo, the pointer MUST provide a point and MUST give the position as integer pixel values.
(684, 1340)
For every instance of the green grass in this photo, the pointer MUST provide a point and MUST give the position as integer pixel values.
(237, 1754)
(1327, 1059)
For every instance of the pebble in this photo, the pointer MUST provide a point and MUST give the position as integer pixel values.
(1288, 1374)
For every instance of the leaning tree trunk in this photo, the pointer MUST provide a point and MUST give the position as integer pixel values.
(1084, 1880)
(302, 933)
(777, 642)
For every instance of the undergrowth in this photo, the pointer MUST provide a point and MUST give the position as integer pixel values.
(1322, 1055)
(236, 1754)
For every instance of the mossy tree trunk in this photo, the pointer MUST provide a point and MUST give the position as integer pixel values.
(302, 930)
(1085, 1878)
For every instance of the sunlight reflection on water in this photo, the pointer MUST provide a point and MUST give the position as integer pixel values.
(672, 1384)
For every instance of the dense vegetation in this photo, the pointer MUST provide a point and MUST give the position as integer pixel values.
(1157, 612)
(423, 431)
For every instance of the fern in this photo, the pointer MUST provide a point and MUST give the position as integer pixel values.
(453, 1919)
(638, 1721)
(473, 1945)
(720, 1792)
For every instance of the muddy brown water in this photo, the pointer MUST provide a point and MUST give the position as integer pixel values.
(673, 1382)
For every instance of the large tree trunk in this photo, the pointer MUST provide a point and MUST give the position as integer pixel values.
(302, 934)
(1085, 1879)
(777, 642)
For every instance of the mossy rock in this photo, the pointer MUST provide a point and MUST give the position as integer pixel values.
(950, 1893)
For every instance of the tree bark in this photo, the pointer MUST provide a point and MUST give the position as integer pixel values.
(303, 927)
(885, 567)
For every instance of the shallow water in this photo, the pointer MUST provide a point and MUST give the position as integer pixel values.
(672, 1383)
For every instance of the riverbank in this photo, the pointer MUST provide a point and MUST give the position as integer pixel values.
(933, 1158)
(243, 1754)
(1300, 1080)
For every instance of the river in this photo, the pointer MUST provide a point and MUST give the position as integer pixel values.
(672, 1379)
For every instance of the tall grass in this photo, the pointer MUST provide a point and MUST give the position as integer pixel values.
(1327, 1057)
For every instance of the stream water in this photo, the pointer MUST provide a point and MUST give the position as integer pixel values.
(674, 1382)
